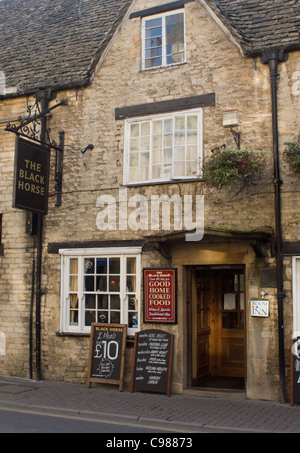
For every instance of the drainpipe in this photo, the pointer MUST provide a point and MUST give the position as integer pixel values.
(44, 97)
(272, 58)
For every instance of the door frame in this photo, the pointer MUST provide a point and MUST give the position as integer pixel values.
(190, 300)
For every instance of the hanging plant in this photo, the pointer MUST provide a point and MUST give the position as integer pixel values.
(291, 155)
(229, 166)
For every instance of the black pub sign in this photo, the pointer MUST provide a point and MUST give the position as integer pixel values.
(31, 176)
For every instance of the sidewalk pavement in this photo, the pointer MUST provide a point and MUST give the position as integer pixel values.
(191, 413)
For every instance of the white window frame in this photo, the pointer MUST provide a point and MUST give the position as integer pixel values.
(164, 47)
(152, 118)
(296, 294)
(122, 253)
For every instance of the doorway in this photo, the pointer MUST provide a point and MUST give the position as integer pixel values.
(218, 327)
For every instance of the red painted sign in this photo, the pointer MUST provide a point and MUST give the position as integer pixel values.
(160, 296)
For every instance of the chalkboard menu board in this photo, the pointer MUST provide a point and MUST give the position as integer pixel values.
(295, 371)
(153, 357)
(107, 354)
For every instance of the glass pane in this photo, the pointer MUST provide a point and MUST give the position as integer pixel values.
(168, 140)
(131, 284)
(180, 122)
(191, 168)
(157, 141)
(89, 283)
(153, 22)
(145, 158)
(134, 144)
(192, 122)
(115, 317)
(230, 301)
(192, 153)
(168, 124)
(134, 160)
(168, 156)
(132, 319)
(145, 128)
(74, 317)
(179, 169)
(175, 38)
(157, 127)
(144, 174)
(102, 301)
(157, 157)
(145, 143)
(133, 174)
(101, 266)
(114, 265)
(179, 138)
(90, 301)
(73, 266)
(230, 320)
(156, 171)
(132, 303)
(134, 130)
(153, 62)
(242, 304)
(114, 283)
(114, 302)
(90, 316)
(89, 266)
(102, 283)
(103, 316)
(73, 301)
(192, 138)
(131, 265)
(167, 171)
(228, 283)
(179, 153)
(74, 283)
(242, 279)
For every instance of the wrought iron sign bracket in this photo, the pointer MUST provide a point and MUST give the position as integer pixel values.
(30, 127)
(237, 137)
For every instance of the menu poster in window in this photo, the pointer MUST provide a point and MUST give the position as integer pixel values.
(107, 354)
(160, 295)
(153, 358)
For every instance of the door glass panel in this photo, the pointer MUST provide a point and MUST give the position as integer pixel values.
(203, 300)
(232, 299)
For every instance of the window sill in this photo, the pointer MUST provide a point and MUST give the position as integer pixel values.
(161, 68)
(156, 183)
(73, 334)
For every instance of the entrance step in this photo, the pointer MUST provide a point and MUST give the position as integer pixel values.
(215, 393)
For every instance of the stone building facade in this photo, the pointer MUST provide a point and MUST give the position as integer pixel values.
(145, 104)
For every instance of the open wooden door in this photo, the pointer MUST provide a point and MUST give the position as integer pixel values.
(230, 335)
(218, 334)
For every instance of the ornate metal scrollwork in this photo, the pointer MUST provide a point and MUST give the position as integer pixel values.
(31, 127)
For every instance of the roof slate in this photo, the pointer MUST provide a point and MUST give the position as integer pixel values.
(261, 24)
(57, 43)
(54, 43)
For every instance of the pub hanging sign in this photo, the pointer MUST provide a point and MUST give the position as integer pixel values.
(31, 176)
(160, 296)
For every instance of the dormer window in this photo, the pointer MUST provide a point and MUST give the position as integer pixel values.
(163, 40)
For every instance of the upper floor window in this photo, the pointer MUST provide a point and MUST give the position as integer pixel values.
(163, 147)
(163, 40)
